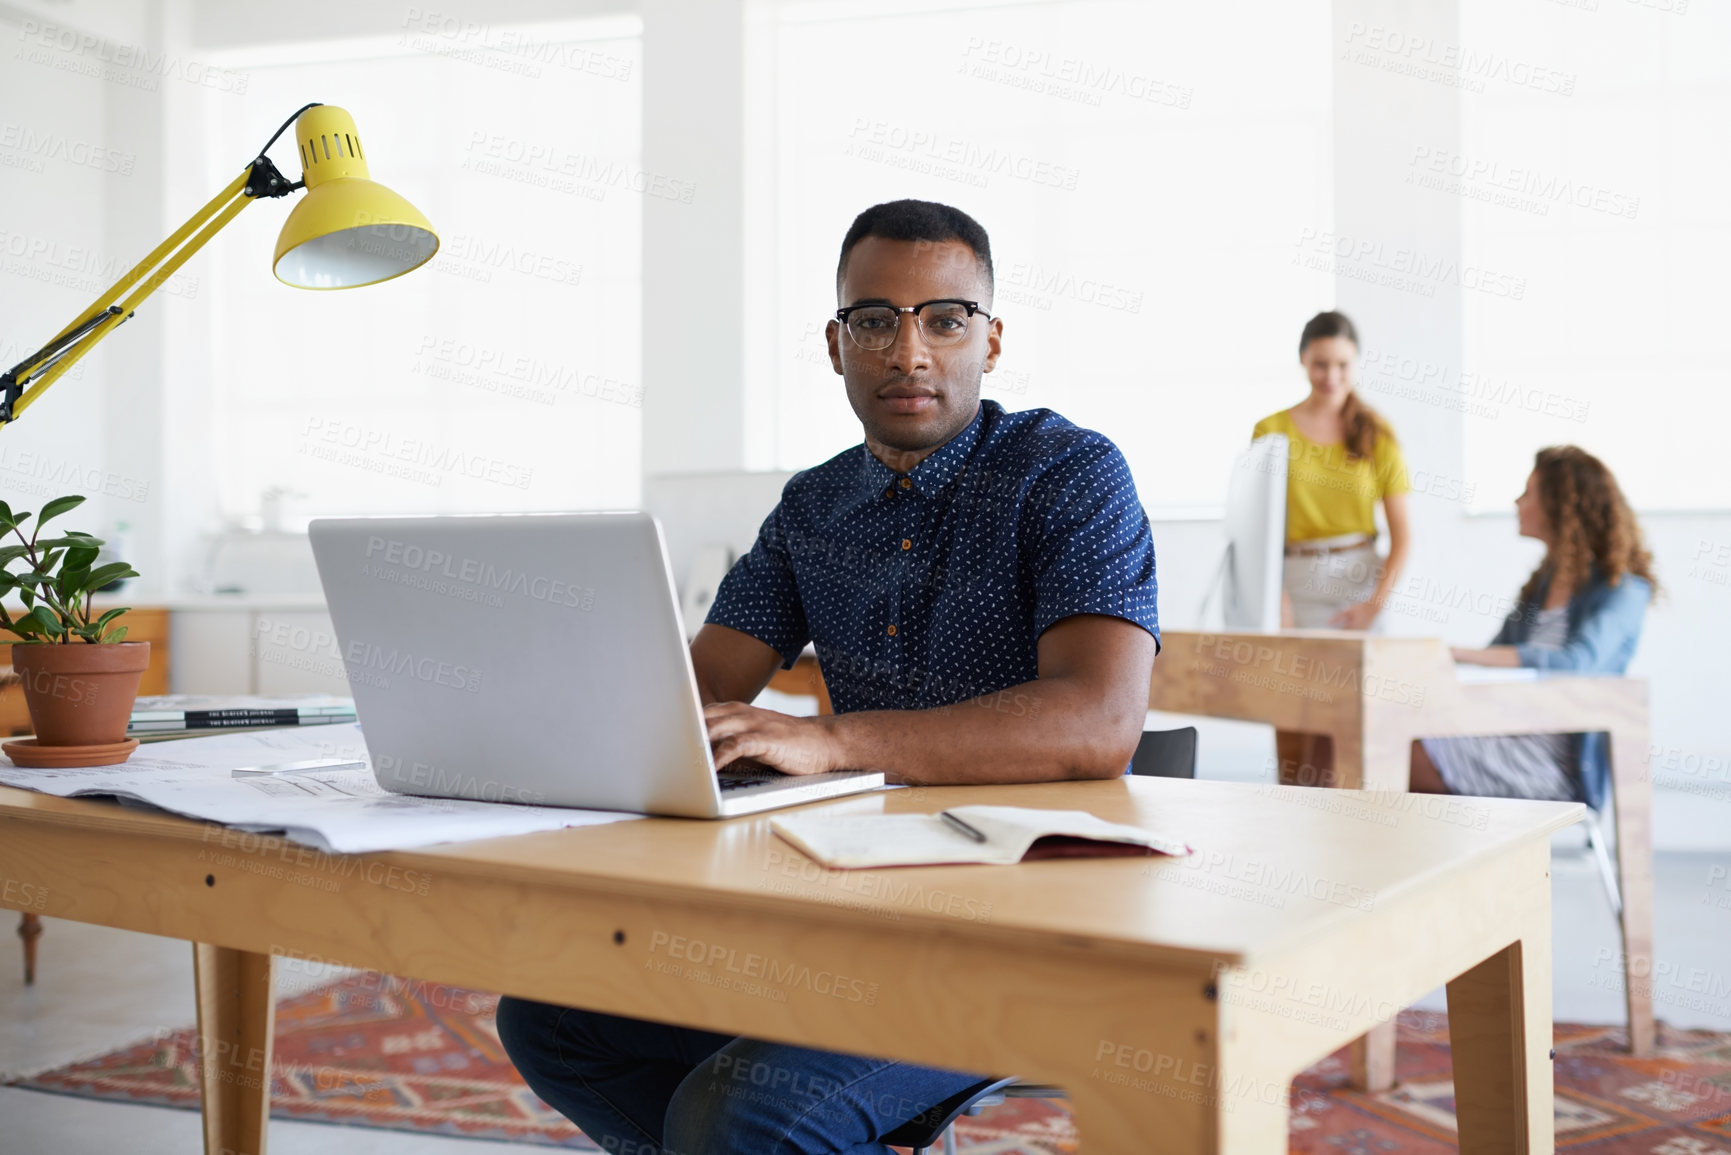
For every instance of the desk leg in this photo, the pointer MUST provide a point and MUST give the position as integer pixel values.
(1337, 760)
(236, 1024)
(1372, 1055)
(1224, 1109)
(1632, 803)
(1500, 1040)
(29, 929)
(1372, 1059)
(1304, 759)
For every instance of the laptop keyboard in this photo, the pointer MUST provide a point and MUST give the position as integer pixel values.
(742, 780)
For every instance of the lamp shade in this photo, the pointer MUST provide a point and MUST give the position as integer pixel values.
(348, 230)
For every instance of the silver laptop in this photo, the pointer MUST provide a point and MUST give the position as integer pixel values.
(534, 658)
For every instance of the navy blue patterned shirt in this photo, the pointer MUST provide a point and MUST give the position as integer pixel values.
(933, 587)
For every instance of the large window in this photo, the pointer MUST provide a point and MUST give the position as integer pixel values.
(1142, 170)
(1605, 191)
(504, 375)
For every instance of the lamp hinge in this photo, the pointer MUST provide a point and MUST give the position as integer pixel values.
(265, 180)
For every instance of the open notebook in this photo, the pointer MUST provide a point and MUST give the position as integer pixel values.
(1012, 834)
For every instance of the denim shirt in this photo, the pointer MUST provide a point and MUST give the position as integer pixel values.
(1604, 625)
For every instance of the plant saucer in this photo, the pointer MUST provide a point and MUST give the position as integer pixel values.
(32, 753)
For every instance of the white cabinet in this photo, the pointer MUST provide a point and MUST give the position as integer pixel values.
(210, 649)
(254, 650)
(295, 652)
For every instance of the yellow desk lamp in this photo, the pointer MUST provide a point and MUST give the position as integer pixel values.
(346, 232)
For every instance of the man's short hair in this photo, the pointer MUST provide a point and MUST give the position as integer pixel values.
(911, 220)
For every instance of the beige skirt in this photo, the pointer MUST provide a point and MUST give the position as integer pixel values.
(1322, 584)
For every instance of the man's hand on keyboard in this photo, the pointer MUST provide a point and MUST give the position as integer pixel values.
(746, 737)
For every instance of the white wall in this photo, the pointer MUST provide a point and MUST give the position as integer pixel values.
(61, 168)
(244, 23)
(694, 312)
(1377, 218)
(1144, 171)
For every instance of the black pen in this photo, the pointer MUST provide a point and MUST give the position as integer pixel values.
(962, 826)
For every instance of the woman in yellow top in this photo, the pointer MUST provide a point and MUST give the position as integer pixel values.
(1344, 459)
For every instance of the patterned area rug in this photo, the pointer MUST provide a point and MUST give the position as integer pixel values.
(379, 1051)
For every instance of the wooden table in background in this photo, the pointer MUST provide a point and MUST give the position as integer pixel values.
(142, 625)
(803, 678)
(1373, 696)
(1173, 1011)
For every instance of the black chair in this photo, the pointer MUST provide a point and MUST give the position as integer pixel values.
(1160, 754)
(1166, 754)
(928, 1128)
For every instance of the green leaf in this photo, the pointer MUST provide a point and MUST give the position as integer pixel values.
(102, 575)
(72, 581)
(106, 618)
(5, 511)
(117, 634)
(88, 633)
(57, 507)
(81, 556)
(48, 621)
(26, 594)
(11, 553)
(49, 558)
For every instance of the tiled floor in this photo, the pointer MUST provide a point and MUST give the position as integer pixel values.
(99, 988)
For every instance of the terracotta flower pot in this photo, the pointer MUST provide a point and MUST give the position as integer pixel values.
(80, 694)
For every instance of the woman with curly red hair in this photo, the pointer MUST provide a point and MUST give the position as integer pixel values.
(1581, 611)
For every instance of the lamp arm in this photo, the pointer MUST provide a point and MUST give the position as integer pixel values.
(43, 367)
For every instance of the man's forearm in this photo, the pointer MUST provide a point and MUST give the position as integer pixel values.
(1034, 732)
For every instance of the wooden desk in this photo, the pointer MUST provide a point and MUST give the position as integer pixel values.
(1372, 696)
(1170, 997)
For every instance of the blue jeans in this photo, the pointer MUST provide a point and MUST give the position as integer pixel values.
(641, 1088)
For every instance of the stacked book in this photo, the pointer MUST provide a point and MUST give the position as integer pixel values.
(162, 715)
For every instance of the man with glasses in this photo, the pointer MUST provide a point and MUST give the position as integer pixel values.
(979, 588)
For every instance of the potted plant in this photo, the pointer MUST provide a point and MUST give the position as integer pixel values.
(80, 676)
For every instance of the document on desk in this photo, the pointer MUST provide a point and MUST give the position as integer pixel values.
(1002, 835)
(337, 811)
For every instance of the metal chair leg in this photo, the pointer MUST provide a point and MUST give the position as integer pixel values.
(1607, 873)
(950, 1140)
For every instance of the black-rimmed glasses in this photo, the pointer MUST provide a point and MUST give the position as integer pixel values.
(941, 322)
